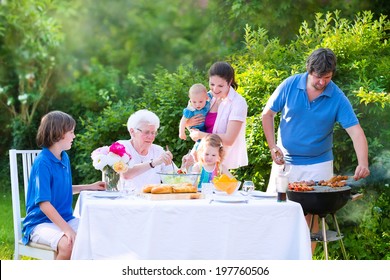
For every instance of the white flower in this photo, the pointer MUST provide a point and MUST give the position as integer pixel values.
(100, 161)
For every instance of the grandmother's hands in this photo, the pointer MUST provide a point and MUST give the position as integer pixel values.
(166, 157)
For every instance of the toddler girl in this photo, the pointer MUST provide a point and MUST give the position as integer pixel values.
(210, 155)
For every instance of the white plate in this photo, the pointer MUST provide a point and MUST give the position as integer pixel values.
(104, 194)
(221, 193)
(232, 199)
(262, 194)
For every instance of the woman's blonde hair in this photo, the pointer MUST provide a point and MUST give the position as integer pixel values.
(211, 140)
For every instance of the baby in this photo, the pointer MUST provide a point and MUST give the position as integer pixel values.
(199, 104)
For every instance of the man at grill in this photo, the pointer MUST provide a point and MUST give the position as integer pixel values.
(311, 104)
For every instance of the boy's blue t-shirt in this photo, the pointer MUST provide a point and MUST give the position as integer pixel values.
(50, 180)
(306, 128)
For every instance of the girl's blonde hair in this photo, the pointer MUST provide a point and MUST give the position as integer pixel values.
(211, 140)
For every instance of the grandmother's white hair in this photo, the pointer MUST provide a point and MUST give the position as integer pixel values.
(142, 117)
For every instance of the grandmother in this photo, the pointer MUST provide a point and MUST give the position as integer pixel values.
(148, 158)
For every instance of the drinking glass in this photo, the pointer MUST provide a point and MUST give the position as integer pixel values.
(281, 187)
(207, 190)
(128, 188)
(248, 187)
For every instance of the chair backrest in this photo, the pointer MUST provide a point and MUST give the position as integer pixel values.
(27, 158)
(21, 162)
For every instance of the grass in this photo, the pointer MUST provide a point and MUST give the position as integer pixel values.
(6, 227)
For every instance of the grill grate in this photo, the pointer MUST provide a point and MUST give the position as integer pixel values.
(325, 189)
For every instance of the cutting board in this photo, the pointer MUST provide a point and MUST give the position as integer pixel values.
(172, 196)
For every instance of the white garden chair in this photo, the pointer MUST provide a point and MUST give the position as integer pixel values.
(33, 250)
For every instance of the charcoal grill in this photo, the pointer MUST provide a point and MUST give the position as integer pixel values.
(321, 201)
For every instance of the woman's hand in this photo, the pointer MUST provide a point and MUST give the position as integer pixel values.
(195, 120)
(195, 134)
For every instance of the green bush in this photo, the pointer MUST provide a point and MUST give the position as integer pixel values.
(97, 131)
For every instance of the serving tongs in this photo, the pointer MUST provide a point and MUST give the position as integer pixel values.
(353, 183)
(173, 166)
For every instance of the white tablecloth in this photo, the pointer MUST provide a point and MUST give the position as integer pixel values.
(190, 229)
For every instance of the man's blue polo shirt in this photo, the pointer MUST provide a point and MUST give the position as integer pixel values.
(306, 128)
(50, 180)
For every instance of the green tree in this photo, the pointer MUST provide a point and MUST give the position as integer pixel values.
(281, 18)
(135, 35)
(29, 37)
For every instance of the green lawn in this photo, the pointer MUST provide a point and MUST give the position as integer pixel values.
(6, 227)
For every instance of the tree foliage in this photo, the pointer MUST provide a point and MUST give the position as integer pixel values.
(30, 37)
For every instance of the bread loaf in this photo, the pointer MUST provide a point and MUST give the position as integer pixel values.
(169, 188)
(148, 188)
(162, 188)
(184, 188)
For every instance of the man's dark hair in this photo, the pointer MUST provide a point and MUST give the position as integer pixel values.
(322, 61)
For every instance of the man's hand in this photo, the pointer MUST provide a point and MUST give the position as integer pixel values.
(361, 172)
(277, 155)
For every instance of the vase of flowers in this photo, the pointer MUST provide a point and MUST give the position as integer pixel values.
(111, 160)
(111, 178)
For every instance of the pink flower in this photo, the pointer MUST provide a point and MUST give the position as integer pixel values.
(114, 156)
(118, 149)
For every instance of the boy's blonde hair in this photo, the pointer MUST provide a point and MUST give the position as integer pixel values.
(211, 140)
(197, 88)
